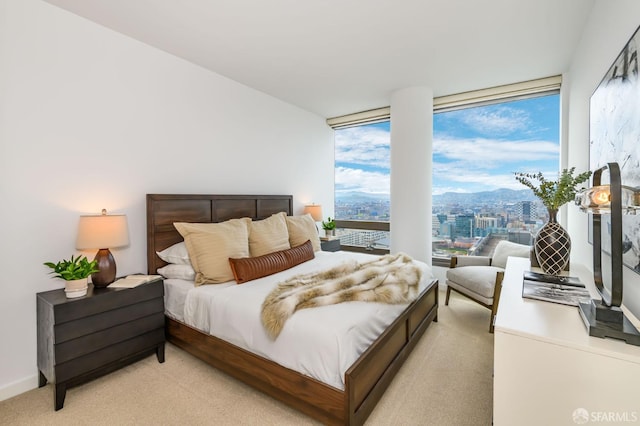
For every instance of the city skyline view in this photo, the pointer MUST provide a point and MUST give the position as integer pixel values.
(474, 149)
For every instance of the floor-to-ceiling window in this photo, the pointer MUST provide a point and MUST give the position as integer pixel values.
(479, 140)
(362, 184)
(476, 150)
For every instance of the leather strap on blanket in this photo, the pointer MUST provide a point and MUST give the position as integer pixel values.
(390, 279)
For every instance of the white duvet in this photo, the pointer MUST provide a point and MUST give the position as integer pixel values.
(321, 342)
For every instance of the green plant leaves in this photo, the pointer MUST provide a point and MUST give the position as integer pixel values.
(553, 194)
(329, 224)
(74, 269)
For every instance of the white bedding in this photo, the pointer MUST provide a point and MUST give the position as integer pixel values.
(320, 342)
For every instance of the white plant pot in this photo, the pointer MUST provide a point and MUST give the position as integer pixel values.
(76, 288)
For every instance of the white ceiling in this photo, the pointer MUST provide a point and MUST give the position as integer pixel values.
(335, 57)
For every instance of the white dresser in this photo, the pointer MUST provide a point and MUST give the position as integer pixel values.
(549, 371)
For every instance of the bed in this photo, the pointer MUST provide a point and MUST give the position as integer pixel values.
(364, 381)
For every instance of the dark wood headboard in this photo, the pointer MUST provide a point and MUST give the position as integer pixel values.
(165, 209)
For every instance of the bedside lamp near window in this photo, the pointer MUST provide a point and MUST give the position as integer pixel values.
(315, 210)
(604, 318)
(103, 232)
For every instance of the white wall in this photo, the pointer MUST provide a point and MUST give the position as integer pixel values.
(91, 119)
(610, 26)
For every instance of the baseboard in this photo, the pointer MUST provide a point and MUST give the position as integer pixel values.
(18, 387)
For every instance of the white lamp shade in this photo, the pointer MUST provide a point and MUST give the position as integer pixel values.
(102, 231)
(315, 210)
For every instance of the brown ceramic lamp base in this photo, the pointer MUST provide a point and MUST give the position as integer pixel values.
(107, 269)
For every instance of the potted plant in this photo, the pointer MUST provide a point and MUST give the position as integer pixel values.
(75, 272)
(329, 227)
(552, 244)
(553, 193)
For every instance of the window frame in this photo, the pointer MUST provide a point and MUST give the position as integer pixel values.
(504, 93)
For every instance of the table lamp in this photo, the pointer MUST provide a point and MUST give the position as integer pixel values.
(315, 210)
(604, 318)
(103, 232)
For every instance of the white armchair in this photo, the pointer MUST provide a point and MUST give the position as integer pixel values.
(480, 277)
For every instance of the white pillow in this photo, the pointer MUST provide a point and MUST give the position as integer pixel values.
(177, 254)
(182, 272)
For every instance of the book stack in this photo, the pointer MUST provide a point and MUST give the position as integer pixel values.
(554, 288)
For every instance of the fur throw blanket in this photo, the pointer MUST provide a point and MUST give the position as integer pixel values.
(390, 279)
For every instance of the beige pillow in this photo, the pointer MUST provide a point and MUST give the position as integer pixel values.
(301, 229)
(268, 235)
(210, 245)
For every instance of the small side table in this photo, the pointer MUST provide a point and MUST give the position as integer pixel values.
(84, 338)
(330, 245)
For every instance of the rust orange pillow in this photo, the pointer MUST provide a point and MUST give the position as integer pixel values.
(251, 268)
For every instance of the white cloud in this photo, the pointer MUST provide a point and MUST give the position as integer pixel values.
(451, 174)
(348, 179)
(363, 145)
(439, 190)
(486, 153)
(460, 164)
(473, 182)
(498, 120)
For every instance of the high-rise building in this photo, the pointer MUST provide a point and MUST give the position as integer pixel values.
(486, 222)
(435, 225)
(464, 225)
(526, 211)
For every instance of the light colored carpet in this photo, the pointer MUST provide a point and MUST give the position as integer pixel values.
(447, 380)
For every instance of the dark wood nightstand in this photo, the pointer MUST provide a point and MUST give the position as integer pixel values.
(330, 245)
(84, 338)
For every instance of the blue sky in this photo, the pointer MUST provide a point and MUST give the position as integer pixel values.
(474, 149)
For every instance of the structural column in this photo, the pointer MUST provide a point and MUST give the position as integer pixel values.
(411, 167)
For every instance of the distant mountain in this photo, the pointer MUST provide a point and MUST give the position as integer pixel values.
(498, 196)
(352, 196)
